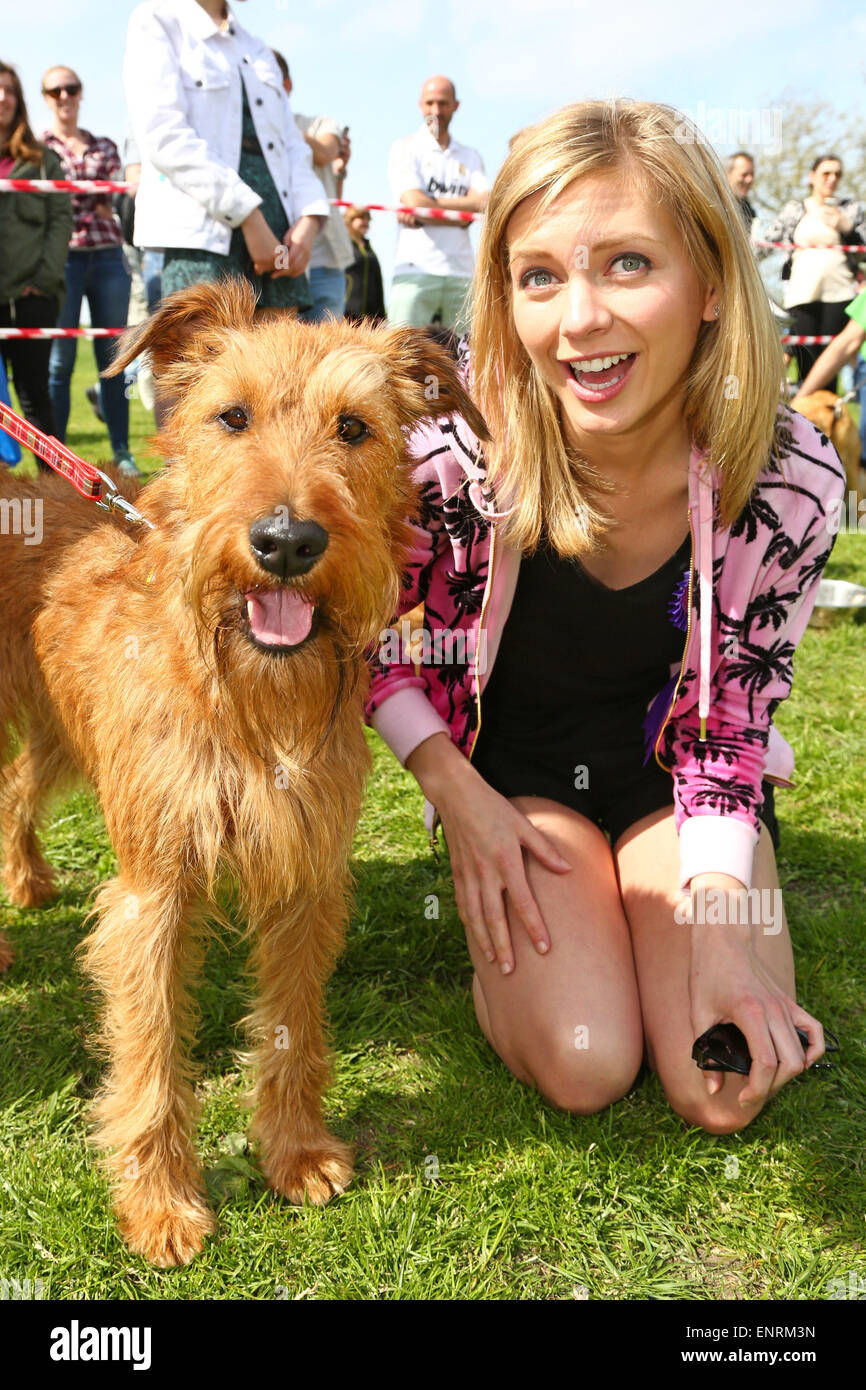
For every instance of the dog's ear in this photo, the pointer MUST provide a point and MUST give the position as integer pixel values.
(183, 329)
(428, 381)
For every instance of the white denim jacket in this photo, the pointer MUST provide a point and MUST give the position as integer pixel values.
(182, 76)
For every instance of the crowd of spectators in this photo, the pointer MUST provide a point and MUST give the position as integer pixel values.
(227, 179)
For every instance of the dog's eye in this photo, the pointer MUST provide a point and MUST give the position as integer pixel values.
(235, 418)
(352, 430)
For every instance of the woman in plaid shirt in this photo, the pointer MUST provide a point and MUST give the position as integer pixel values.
(95, 267)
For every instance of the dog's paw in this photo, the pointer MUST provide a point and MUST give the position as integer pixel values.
(312, 1175)
(7, 955)
(167, 1238)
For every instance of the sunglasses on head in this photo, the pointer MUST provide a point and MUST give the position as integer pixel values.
(71, 90)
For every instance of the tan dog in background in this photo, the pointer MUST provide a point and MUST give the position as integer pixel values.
(209, 677)
(832, 416)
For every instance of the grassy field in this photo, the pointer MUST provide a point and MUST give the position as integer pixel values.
(468, 1185)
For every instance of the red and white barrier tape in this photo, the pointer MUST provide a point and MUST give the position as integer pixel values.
(804, 246)
(61, 332)
(103, 185)
(64, 186)
(110, 186)
(444, 214)
(803, 340)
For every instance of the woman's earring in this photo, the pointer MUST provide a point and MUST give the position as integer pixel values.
(717, 309)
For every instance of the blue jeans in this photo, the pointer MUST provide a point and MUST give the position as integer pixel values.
(102, 276)
(328, 288)
(151, 273)
(860, 388)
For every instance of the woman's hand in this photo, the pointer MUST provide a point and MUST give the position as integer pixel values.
(263, 245)
(299, 240)
(728, 983)
(831, 215)
(486, 839)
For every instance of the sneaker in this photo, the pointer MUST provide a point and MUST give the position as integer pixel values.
(125, 464)
(92, 394)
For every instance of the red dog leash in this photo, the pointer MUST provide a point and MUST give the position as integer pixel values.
(90, 482)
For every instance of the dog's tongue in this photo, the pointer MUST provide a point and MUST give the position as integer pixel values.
(279, 617)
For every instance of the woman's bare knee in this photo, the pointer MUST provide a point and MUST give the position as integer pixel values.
(583, 1082)
(719, 1114)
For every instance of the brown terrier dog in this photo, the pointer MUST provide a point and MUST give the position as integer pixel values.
(830, 413)
(208, 676)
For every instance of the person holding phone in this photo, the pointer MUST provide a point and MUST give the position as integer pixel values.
(819, 279)
(332, 253)
(614, 584)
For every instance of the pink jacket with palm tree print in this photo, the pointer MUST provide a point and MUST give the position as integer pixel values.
(711, 726)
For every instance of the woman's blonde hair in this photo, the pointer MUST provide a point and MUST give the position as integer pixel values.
(733, 386)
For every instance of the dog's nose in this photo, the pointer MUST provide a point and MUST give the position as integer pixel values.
(284, 546)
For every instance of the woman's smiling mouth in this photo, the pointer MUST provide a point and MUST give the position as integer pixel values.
(599, 378)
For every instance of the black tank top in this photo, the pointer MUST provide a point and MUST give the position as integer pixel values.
(576, 656)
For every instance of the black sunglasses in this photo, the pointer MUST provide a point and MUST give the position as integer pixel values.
(72, 90)
(724, 1048)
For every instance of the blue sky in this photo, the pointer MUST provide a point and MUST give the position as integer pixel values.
(512, 61)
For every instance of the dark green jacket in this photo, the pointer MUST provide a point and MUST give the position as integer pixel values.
(35, 229)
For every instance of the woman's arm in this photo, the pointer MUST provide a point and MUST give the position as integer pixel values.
(717, 781)
(48, 276)
(398, 705)
(832, 360)
(325, 148)
(781, 228)
(309, 198)
(486, 836)
(728, 982)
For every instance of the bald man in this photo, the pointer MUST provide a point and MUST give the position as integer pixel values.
(430, 169)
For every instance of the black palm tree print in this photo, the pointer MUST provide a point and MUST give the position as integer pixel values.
(720, 747)
(454, 678)
(757, 512)
(464, 522)
(756, 667)
(768, 608)
(786, 549)
(722, 794)
(814, 569)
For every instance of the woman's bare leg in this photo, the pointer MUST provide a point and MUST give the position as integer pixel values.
(568, 1022)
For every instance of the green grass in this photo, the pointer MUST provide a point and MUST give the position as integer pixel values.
(529, 1203)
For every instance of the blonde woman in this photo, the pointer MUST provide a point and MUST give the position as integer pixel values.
(614, 586)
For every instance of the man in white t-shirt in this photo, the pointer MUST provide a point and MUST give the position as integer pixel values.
(429, 169)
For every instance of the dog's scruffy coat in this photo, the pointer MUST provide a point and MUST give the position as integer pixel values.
(208, 677)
